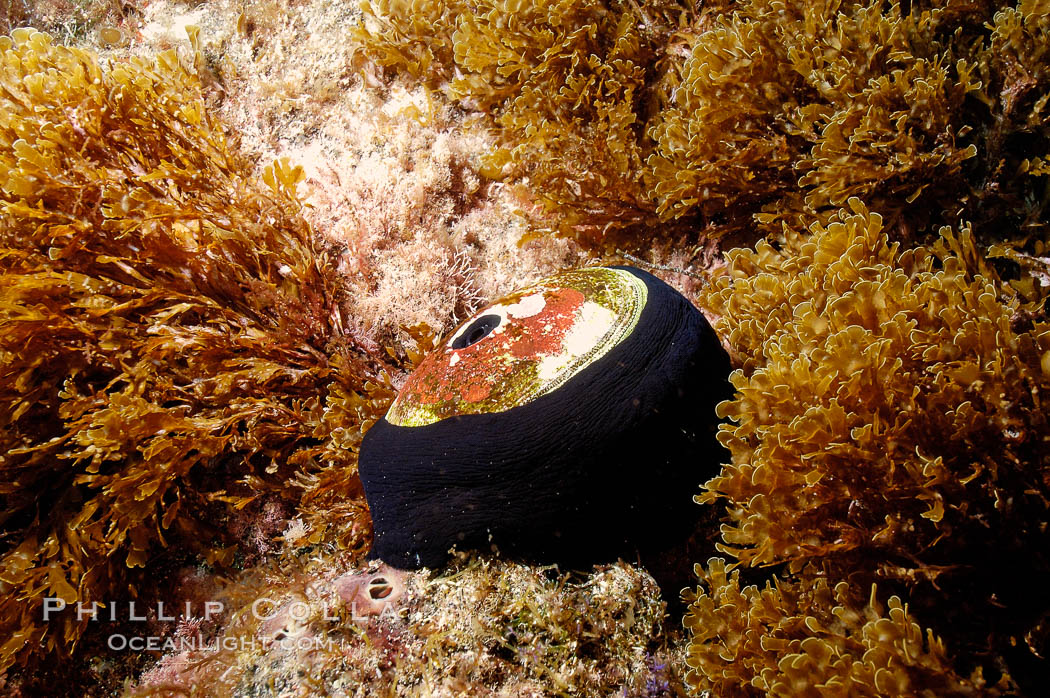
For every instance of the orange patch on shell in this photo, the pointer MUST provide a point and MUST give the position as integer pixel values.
(491, 362)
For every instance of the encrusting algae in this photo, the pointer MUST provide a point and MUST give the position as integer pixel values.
(479, 627)
(565, 84)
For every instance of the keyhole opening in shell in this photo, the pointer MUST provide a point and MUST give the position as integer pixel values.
(477, 331)
(379, 588)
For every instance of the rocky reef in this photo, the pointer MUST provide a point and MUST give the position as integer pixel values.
(855, 193)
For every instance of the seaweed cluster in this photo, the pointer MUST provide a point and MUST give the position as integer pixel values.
(888, 427)
(738, 118)
(785, 107)
(931, 113)
(171, 341)
(565, 84)
(807, 638)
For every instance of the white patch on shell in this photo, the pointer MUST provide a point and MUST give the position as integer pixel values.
(454, 360)
(593, 322)
(527, 306)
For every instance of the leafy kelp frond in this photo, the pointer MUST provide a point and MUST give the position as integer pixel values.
(566, 86)
(889, 425)
(332, 502)
(809, 638)
(170, 334)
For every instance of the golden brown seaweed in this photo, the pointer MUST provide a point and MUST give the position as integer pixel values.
(642, 122)
(808, 638)
(566, 84)
(171, 345)
(888, 426)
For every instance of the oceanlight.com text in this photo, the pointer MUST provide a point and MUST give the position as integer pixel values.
(119, 642)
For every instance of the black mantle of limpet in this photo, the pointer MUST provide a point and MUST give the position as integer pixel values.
(604, 466)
